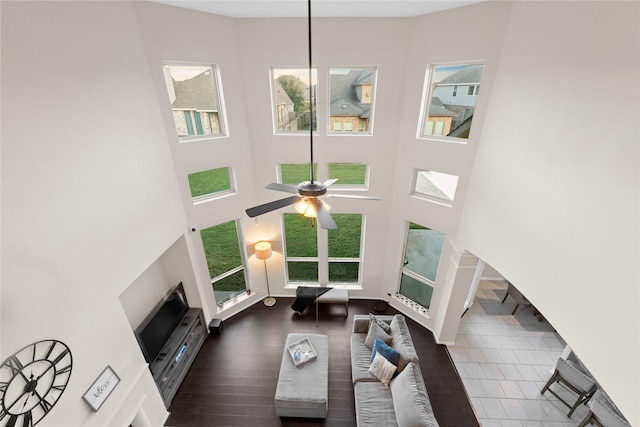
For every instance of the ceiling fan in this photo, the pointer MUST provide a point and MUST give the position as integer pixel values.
(308, 193)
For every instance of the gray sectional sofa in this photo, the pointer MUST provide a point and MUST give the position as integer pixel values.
(404, 401)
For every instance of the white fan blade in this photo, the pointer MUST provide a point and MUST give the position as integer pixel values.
(330, 182)
(351, 196)
(323, 215)
(282, 187)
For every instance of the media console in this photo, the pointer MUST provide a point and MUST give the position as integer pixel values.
(174, 360)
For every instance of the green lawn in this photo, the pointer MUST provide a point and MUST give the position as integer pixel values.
(210, 181)
(295, 173)
(301, 241)
(346, 173)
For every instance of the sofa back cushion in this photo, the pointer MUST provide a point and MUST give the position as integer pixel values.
(376, 332)
(401, 341)
(410, 399)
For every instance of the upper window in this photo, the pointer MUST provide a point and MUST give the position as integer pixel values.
(450, 100)
(195, 100)
(296, 173)
(290, 95)
(349, 174)
(433, 185)
(210, 183)
(351, 99)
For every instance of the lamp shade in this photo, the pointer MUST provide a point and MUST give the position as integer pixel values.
(263, 250)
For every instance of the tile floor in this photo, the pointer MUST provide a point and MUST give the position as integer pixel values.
(504, 361)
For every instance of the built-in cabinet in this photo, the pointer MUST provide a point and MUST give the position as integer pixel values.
(178, 353)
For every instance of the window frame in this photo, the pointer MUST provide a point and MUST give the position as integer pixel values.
(432, 197)
(224, 304)
(322, 258)
(404, 271)
(204, 198)
(217, 84)
(355, 129)
(313, 103)
(427, 93)
(350, 187)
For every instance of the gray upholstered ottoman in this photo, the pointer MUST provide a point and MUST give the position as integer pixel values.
(303, 391)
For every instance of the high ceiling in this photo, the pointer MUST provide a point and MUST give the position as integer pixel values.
(319, 8)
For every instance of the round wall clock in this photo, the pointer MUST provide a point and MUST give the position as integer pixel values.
(31, 382)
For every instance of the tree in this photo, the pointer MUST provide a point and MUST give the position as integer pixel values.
(295, 90)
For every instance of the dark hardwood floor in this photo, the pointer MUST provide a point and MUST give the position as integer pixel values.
(233, 379)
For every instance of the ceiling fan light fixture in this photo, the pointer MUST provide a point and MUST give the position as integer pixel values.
(302, 207)
(306, 208)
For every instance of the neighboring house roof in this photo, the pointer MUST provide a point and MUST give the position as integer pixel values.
(462, 131)
(195, 93)
(342, 107)
(344, 99)
(468, 75)
(438, 109)
(280, 95)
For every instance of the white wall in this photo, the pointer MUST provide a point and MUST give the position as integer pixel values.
(468, 38)
(554, 196)
(89, 198)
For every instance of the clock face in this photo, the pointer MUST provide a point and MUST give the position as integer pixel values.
(32, 381)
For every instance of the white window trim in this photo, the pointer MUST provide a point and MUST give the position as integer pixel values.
(374, 90)
(198, 200)
(322, 259)
(274, 109)
(426, 100)
(222, 116)
(428, 197)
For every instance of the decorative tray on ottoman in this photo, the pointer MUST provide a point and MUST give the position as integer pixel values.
(302, 352)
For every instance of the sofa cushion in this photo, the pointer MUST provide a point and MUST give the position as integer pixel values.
(384, 325)
(375, 331)
(360, 359)
(374, 405)
(389, 353)
(410, 399)
(382, 369)
(401, 341)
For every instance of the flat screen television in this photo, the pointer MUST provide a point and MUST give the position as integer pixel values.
(155, 330)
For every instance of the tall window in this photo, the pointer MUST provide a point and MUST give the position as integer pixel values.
(208, 184)
(195, 100)
(314, 255)
(449, 100)
(290, 97)
(421, 260)
(351, 99)
(301, 244)
(224, 259)
(344, 248)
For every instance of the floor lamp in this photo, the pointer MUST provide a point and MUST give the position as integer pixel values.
(263, 252)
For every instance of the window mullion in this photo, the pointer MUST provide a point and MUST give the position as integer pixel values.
(323, 256)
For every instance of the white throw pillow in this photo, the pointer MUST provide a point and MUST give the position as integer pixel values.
(382, 369)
